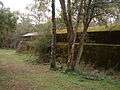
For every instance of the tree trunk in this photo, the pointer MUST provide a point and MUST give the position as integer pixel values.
(71, 51)
(67, 15)
(71, 39)
(53, 46)
(81, 45)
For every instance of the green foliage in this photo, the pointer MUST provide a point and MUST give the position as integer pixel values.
(39, 10)
(41, 45)
(42, 49)
(88, 71)
(8, 22)
(44, 28)
(25, 24)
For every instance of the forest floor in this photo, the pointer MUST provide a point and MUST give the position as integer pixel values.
(16, 74)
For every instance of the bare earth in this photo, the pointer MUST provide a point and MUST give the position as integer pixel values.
(24, 76)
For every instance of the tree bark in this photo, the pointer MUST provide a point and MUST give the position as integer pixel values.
(67, 16)
(86, 21)
(81, 45)
(53, 46)
(71, 31)
(71, 51)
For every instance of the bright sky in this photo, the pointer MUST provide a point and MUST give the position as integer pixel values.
(17, 5)
(20, 5)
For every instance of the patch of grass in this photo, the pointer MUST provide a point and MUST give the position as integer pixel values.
(10, 56)
(5, 77)
(39, 77)
(80, 80)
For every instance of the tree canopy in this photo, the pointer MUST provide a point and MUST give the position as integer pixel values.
(8, 21)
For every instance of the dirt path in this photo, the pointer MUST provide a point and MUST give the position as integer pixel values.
(21, 76)
(17, 72)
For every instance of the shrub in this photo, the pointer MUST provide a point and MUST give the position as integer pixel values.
(42, 49)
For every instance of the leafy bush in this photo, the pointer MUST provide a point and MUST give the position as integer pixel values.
(8, 22)
(88, 71)
(42, 49)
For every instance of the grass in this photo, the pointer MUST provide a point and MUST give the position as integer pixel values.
(16, 74)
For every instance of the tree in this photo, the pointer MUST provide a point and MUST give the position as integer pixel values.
(53, 48)
(93, 9)
(115, 9)
(39, 10)
(71, 29)
(76, 11)
(25, 24)
(8, 21)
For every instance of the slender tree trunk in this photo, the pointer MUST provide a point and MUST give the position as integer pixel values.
(67, 15)
(71, 51)
(81, 45)
(53, 46)
(70, 31)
